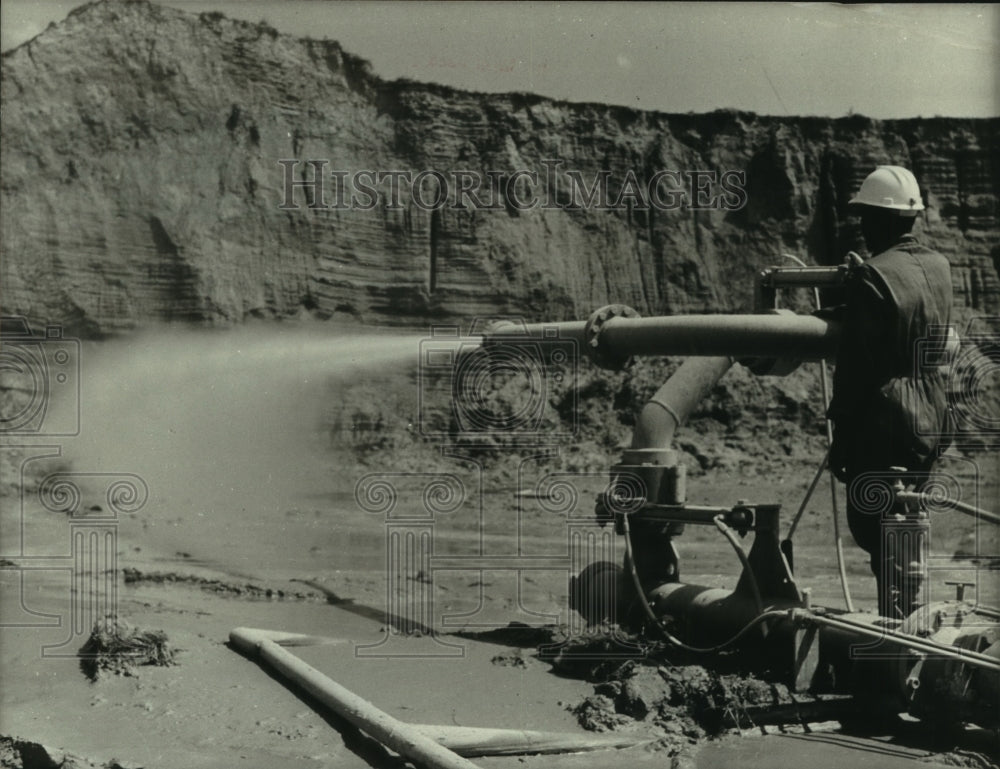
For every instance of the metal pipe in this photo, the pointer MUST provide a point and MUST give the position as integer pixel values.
(715, 597)
(800, 337)
(709, 616)
(901, 639)
(771, 279)
(803, 276)
(715, 612)
(474, 741)
(673, 403)
(405, 739)
(571, 329)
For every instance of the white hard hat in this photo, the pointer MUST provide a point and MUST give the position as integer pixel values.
(892, 187)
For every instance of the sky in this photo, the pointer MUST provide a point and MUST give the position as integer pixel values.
(884, 61)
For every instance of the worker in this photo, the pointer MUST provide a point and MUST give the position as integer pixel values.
(889, 407)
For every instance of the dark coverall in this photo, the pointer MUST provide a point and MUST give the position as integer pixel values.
(889, 407)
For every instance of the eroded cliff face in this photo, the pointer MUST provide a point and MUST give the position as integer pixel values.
(141, 182)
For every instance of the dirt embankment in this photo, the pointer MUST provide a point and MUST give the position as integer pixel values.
(170, 192)
(764, 428)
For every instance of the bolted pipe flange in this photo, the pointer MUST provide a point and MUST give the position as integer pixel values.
(598, 353)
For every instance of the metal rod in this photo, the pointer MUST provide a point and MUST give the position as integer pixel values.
(838, 542)
(825, 387)
(809, 493)
(900, 639)
(694, 514)
(954, 504)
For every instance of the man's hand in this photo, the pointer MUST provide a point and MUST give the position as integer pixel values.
(603, 515)
(836, 312)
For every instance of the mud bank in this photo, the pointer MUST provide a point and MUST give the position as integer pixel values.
(247, 591)
(24, 754)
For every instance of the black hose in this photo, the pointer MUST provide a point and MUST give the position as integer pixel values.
(729, 534)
